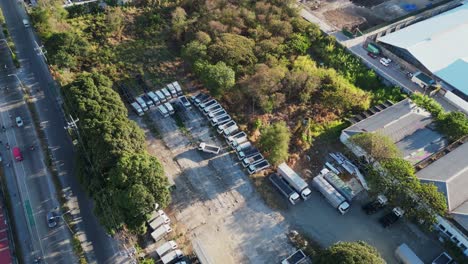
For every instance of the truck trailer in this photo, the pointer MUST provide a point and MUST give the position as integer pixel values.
(294, 180)
(172, 256)
(166, 247)
(284, 188)
(209, 148)
(331, 194)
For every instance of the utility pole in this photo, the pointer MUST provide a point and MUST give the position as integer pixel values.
(19, 80)
(6, 43)
(41, 51)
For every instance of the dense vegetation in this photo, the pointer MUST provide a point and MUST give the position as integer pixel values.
(454, 125)
(395, 177)
(350, 253)
(258, 57)
(123, 179)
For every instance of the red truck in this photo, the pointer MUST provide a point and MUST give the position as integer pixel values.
(17, 154)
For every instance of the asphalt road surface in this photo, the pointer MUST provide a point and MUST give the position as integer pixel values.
(100, 248)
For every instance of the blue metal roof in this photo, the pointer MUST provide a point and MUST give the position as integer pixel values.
(440, 43)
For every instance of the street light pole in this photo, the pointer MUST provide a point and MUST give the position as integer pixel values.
(61, 216)
(6, 43)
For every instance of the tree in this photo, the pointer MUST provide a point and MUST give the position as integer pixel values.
(350, 253)
(235, 50)
(454, 125)
(114, 21)
(299, 44)
(179, 22)
(194, 50)
(218, 77)
(274, 141)
(376, 145)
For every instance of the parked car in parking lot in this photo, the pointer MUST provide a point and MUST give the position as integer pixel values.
(51, 219)
(19, 121)
(372, 55)
(256, 167)
(185, 102)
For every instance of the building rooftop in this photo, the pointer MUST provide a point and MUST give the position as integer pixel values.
(450, 174)
(440, 44)
(408, 126)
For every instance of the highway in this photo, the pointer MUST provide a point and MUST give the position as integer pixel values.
(34, 73)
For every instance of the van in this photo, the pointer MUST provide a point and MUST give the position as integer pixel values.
(166, 247)
(142, 103)
(178, 88)
(136, 107)
(172, 90)
(26, 23)
(154, 98)
(163, 219)
(17, 154)
(161, 96)
(166, 93)
(169, 108)
(161, 232)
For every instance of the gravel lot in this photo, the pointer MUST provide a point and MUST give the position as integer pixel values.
(227, 220)
(214, 199)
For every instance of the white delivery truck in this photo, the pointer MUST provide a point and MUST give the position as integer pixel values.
(331, 194)
(161, 232)
(154, 98)
(294, 180)
(172, 90)
(209, 148)
(166, 93)
(142, 103)
(137, 108)
(172, 256)
(163, 111)
(405, 255)
(161, 96)
(178, 88)
(169, 108)
(166, 247)
(159, 221)
(284, 188)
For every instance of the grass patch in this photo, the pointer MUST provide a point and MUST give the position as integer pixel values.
(268, 192)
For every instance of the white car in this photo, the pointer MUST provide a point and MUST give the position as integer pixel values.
(19, 121)
(385, 61)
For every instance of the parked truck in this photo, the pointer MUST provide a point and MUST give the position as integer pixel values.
(218, 113)
(236, 139)
(169, 108)
(390, 218)
(376, 205)
(252, 159)
(221, 128)
(154, 98)
(331, 194)
(256, 167)
(142, 103)
(172, 90)
(209, 148)
(178, 88)
(172, 256)
(219, 120)
(338, 184)
(294, 180)
(159, 221)
(137, 108)
(295, 258)
(405, 255)
(166, 247)
(161, 232)
(284, 188)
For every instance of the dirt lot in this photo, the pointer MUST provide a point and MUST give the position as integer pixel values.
(214, 200)
(362, 13)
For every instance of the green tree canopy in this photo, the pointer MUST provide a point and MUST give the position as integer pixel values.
(218, 77)
(454, 125)
(376, 145)
(235, 50)
(350, 253)
(274, 141)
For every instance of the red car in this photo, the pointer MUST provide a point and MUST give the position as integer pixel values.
(372, 55)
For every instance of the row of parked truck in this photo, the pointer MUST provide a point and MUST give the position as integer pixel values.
(247, 153)
(159, 98)
(168, 252)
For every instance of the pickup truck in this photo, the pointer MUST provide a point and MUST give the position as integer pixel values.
(219, 120)
(376, 205)
(221, 128)
(199, 98)
(229, 130)
(390, 218)
(256, 167)
(209, 148)
(239, 137)
(206, 104)
(252, 159)
(212, 108)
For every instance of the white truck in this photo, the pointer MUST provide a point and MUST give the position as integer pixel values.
(154, 98)
(215, 114)
(331, 194)
(207, 104)
(256, 167)
(169, 108)
(166, 247)
(166, 93)
(163, 111)
(252, 159)
(137, 108)
(209, 148)
(142, 103)
(178, 88)
(284, 188)
(294, 180)
(172, 256)
(159, 221)
(212, 108)
(221, 128)
(406, 256)
(236, 139)
(172, 90)
(161, 96)
(155, 214)
(219, 120)
(229, 130)
(161, 232)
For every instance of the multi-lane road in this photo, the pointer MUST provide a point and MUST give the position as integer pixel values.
(32, 191)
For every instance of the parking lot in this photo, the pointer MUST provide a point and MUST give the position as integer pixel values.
(228, 222)
(214, 199)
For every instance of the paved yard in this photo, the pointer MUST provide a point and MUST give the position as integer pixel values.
(214, 199)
